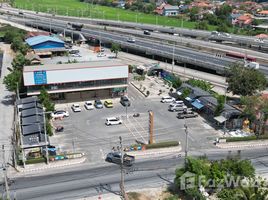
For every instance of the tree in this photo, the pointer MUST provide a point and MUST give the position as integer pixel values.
(44, 98)
(185, 92)
(204, 85)
(223, 28)
(250, 106)
(12, 81)
(244, 81)
(202, 25)
(176, 82)
(193, 13)
(115, 49)
(220, 104)
(19, 62)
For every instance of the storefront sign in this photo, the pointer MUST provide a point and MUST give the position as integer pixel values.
(40, 77)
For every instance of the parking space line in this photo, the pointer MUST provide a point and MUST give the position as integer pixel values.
(102, 154)
(137, 131)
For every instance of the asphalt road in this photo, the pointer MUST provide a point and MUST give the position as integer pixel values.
(86, 180)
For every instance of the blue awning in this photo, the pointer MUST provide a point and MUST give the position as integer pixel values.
(197, 104)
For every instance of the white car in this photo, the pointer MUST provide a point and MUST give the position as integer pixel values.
(89, 105)
(131, 40)
(60, 114)
(113, 121)
(168, 99)
(101, 55)
(76, 108)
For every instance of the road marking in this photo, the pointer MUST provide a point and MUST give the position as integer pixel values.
(102, 154)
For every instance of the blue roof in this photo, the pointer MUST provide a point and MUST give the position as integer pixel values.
(197, 104)
(41, 39)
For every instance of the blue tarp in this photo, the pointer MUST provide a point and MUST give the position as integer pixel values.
(197, 104)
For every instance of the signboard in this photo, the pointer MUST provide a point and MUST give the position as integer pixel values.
(40, 77)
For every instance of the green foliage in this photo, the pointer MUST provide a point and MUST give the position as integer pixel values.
(35, 160)
(19, 62)
(162, 145)
(202, 25)
(250, 104)
(220, 104)
(139, 77)
(204, 85)
(227, 194)
(248, 138)
(176, 82)
(49, 127)
(11, 32)
(185, 92)
(44, 98)
(194, 193)
(173, 197)
(223, 28)
(13, 80)
(244, 81)
(115, 49)
(193, 13)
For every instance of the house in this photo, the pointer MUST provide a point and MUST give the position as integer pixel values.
(33, 58)
(263, 13)
(244, 20)
(233, 17)
(204, 103)
(167, 10)
(45, 45)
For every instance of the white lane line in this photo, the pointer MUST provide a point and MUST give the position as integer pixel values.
(102, 154)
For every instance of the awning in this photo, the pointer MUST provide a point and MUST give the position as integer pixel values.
(220, 119)
(188, 99)
(197, 104)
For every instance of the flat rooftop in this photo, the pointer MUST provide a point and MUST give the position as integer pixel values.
(81, 65)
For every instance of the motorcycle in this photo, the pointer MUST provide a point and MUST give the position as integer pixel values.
(59, 129)
(136, 115)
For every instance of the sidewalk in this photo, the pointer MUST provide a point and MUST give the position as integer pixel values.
(40, 167)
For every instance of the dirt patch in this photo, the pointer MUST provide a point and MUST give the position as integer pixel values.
(152, 194)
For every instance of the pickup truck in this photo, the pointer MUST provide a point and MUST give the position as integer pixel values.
(115, 157)
(187, 115)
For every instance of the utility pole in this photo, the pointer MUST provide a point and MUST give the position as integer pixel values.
(45, 130)
(5, 173)
(173, 62)
(122, 184)
(186, 144)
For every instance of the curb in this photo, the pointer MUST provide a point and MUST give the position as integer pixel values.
(154, 153)
(138, 89)
(228, 145)
(51, 166)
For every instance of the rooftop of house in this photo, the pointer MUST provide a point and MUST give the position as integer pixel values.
(41, 39)
(263, 12)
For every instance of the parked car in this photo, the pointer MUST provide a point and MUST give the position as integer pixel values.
(60, 114)
(89, 105)
(76, 55)
(113, 121)
(124, 101)
(177, 107)
(187, 115)
(167, 99)
(98, 104)
(146, 32)
(115, 157)
(131, 40)
(74, 51)
(108, 103)
(186, 111)
(101, 54)
(102, 50)
(76, 107)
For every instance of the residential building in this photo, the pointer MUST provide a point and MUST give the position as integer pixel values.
(206, 105)
(263, 13)
(167, 10)
(244, 20)
(33, 58)
(72, 81)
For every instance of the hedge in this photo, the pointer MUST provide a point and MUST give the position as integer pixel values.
(162, 144)
(35, 160)
(248, 138)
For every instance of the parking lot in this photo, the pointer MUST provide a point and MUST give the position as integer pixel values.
(86, 131)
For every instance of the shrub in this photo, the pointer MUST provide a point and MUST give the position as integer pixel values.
(162, 144)
(35, 160)
(248, 138)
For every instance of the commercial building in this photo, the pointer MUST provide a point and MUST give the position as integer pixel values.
(45, 45)
(77, 81)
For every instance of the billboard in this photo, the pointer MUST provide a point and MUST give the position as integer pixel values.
(40, 77)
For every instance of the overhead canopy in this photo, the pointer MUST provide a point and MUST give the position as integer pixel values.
(220, 119)
(197, 104)
(32, 129)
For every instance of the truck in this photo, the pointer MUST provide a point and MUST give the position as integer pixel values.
(187, 115)
(75, 26)
(115, 157)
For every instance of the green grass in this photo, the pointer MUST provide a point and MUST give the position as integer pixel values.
(81, 9)
(248, 138)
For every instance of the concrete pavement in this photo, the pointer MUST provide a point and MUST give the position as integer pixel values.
(6, 105)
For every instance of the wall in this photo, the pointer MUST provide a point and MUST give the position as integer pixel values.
(48, 45)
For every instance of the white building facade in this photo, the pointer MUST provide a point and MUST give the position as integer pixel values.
(94, 79)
